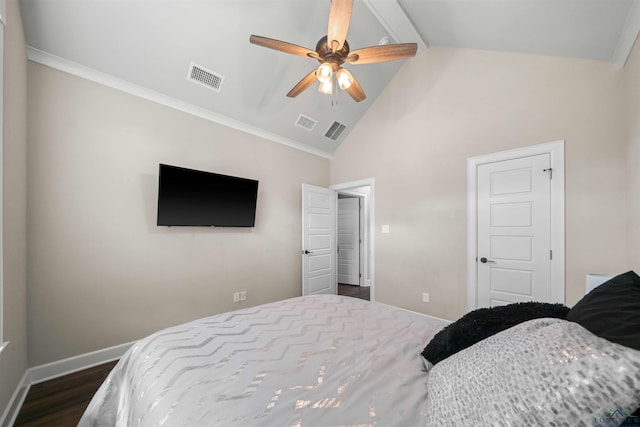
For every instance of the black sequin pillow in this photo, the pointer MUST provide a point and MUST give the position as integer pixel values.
(484, 322)
(612, 310)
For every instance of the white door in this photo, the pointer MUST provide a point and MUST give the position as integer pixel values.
(514, 229)
(349, 241)
(318, 246)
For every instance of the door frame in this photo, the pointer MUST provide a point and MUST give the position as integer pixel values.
(365, 279)
(369, 210)
(555, 150)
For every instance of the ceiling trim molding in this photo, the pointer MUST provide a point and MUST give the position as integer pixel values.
(628, 36)
(87, 73)
(396, 22)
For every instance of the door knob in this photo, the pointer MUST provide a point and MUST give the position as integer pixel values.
(484, 260)
(306, 252)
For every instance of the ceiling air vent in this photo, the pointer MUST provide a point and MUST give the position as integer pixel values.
(306, 122)
(199, 74)
(334, 131)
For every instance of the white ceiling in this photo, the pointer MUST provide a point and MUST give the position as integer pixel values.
(146, 46)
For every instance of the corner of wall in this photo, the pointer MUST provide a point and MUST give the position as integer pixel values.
(13, 359)
(631, 93)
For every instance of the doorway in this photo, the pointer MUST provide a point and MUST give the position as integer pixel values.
(364, 191)
(516, 226)
(319, 236)
(348, 239)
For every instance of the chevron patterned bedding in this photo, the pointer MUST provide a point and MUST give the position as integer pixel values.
(321, 360)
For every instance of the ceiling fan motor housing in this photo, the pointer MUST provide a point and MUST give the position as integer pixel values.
(326, 54)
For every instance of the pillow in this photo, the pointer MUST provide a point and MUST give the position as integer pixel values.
(612, 310)
(484, 322)
(540, 372)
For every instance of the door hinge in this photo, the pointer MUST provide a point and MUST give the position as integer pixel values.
(550, 172)
(550, 254)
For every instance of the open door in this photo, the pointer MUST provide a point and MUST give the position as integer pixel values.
(318, 240)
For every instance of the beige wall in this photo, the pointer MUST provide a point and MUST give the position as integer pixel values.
(13, 359)
(447, 105)
(632, 79)
(101, 273)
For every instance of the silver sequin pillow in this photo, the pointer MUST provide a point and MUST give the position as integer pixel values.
(540, 372)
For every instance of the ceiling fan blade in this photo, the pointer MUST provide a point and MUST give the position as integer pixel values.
(390, 52)
(283, 46)
(339, 17)
(303, 84)
(355, 90)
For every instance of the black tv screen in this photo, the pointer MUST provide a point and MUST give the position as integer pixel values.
(190, 197)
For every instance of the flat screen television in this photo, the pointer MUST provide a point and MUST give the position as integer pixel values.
(188, 197)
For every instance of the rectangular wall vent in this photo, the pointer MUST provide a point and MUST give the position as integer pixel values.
(306, 122)
(201, 75)
(334, 131)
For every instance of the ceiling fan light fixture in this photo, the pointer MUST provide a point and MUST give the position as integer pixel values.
(326, 87)
(325, 72)
(344, 79)
(333, 50)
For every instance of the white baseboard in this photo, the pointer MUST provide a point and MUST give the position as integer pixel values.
(49, 371)
(15, 403)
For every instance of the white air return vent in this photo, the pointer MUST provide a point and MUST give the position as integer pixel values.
(201, 75)
(306, 122)
(334, 131)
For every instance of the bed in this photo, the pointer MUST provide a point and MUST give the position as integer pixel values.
(329, 360)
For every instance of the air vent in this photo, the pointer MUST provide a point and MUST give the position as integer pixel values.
(334, 131)
(306, 122)
(199, 74)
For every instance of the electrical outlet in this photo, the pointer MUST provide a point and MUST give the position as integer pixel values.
(236, 297)
(243, 295)
(425, 297)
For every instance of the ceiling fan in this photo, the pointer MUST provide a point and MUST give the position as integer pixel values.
(332, 51)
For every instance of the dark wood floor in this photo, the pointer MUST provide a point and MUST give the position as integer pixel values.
(61, 402)
(362, 292)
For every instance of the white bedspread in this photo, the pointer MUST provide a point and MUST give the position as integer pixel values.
(319, 360)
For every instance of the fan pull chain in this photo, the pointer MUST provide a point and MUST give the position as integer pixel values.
(334, 100)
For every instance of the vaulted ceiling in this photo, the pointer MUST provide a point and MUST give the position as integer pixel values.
(147, 47)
